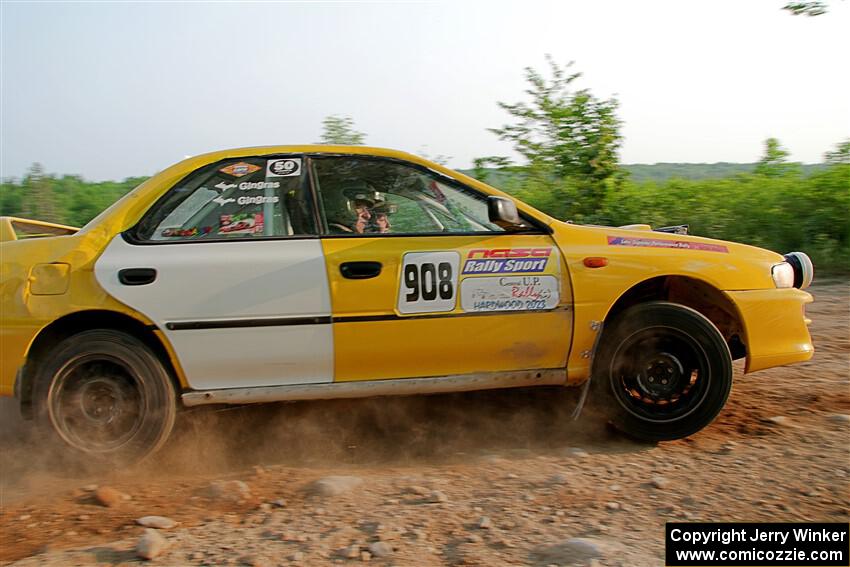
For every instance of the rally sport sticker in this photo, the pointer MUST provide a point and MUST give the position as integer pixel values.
(507, 260)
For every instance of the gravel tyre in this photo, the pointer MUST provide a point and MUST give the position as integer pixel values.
(662, 371)
(104, 398)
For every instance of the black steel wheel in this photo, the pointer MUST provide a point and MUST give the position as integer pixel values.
(662, 371)
(106, 397)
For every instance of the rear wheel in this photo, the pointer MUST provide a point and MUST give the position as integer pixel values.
(663, 371)
(105, 397)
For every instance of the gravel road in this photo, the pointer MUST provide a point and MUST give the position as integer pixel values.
(494, 478)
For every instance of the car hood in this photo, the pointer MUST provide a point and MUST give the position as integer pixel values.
(726, 265)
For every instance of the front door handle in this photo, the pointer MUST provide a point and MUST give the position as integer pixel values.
(360, 270)
(136, 276)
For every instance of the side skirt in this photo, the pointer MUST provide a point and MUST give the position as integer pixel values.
(365, 389)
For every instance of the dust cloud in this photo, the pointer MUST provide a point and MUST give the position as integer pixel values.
(390, 431)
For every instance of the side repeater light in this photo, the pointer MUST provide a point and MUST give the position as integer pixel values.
(595, 262)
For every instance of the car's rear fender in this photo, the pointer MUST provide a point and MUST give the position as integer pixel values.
(64, 327)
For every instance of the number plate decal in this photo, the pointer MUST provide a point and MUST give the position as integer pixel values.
(428, 282)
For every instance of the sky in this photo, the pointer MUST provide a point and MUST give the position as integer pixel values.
(110, 90)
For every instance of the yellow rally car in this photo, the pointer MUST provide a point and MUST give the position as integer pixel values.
(306, 272)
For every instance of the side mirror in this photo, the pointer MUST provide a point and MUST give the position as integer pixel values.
(503, 213)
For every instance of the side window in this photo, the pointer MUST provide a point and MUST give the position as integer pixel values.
(374, 196)
(240, 198)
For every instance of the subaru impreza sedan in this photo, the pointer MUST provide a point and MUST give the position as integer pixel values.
(313, 272)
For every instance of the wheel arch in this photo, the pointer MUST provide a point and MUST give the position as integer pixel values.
(690, 292)
(78, 321)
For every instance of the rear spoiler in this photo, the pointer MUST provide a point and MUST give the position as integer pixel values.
(14, 228)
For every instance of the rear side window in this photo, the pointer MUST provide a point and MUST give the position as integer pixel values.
(244, 198)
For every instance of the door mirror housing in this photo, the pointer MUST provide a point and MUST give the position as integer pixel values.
(503, 212)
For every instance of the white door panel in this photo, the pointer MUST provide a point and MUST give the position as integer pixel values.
(257, 356)
(213, 280)
(263, 307)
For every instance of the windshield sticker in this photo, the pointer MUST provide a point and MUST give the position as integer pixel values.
(509, 293)
(225, 186)
(507, 260)
(283, 167)
(239, 169)
(241, 223)
(250, 185)
(222, 201)
(193, 231)
(660, 243)
(258, 200)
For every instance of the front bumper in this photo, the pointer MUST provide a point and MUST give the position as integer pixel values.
(775, 326)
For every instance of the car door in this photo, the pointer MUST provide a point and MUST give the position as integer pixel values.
(423, 284)
(229, 266)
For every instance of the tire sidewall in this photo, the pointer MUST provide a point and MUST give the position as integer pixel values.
(154, 385)
(685, 320)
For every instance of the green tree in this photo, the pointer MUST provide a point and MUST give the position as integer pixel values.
(481, 166)
(774, 162)
(11, 199)
(812, 8)
(441, 159)
(575, 132)
(340, 130)
(840, 155)
(42, 200)
(566, 133)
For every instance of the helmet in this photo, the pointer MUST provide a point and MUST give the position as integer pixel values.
(341, 203)
(380, 221)
(364, 192)
(383, 207)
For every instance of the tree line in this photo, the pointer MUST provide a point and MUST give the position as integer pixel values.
(569, 141)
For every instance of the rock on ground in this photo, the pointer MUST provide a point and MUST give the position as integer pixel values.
(151, 544)
(575, 551)
(232, 490)
(109, 497)
(334, 485)
(158, 522)
(380, 549)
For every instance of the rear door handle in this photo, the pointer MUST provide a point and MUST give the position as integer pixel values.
(360, 270)
(136, 276)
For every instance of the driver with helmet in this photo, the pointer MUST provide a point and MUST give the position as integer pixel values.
(351, 210)
(381, 217)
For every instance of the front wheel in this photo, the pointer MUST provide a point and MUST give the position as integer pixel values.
(662, 371)
(105, 397)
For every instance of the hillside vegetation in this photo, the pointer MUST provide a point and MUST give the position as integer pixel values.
(786, 212)
(801, 209)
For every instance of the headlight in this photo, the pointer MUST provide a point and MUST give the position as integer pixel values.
(804, 270)
(783, 275)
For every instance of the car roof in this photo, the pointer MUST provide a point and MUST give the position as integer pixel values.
(308, 148)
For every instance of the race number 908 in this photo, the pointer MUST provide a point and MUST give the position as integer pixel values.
(428, 282)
